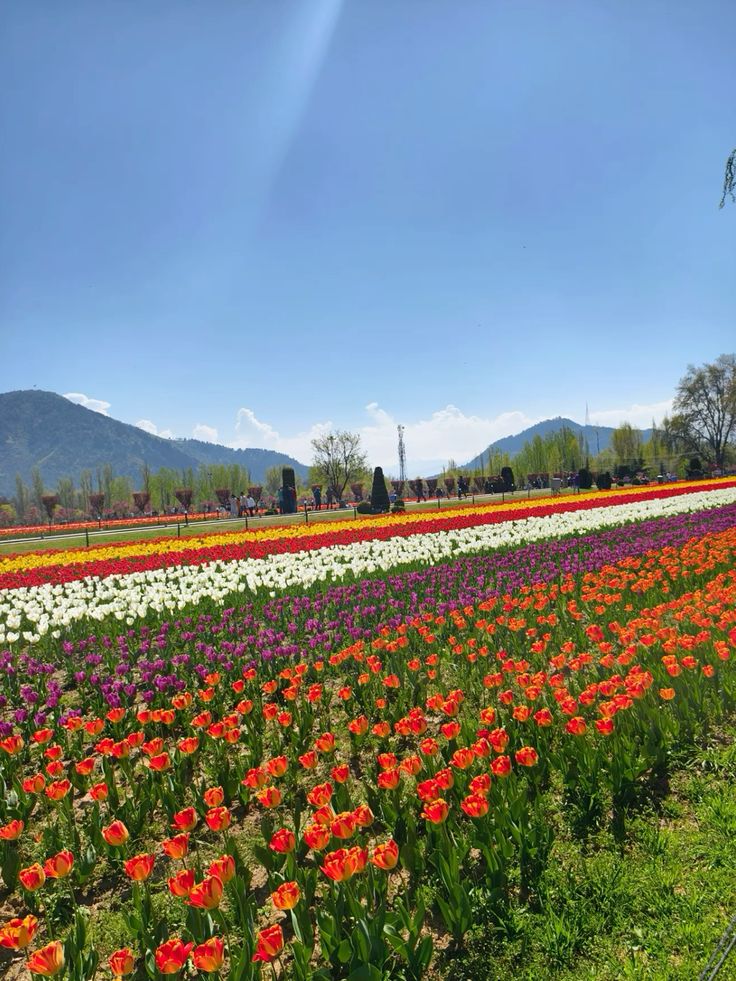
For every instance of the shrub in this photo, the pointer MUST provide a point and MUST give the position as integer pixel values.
(604, 481)
(379, 495)
(507, 475)
(288, 487)
(585, 479)
(398, 505)
(364, 508)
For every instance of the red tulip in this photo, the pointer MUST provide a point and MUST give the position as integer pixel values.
(208, 956)
(269, 943)
(47, 961)
(172, 955)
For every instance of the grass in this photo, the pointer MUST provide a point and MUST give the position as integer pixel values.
(652, 909)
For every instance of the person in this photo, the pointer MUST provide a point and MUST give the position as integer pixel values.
(330, 497)
(251, 505)
(317, 492)
(233, 506)
(281, 500)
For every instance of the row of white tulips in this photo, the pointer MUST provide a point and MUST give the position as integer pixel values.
(27, 615)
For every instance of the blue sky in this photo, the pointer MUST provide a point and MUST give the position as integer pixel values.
(252, 220)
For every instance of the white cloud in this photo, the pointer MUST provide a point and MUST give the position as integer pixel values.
(207, 433)
(638, 415)
(96, 405)
(250, 431)
(150, 427)
(447, 434)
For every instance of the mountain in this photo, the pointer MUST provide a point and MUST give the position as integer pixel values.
(47, 431)
(598, 437)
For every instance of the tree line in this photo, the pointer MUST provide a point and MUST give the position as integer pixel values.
(698, 436)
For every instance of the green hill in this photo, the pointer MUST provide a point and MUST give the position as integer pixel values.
(45, 430)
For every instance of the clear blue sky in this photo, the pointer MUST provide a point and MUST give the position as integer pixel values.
(257, 218)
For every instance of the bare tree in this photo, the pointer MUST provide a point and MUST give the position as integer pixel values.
(729, 179)
(338, 460)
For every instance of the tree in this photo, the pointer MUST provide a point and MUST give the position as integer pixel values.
(704, 421)
(627, 445)
(338, 460)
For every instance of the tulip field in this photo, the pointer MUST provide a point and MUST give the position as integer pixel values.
(382, 748)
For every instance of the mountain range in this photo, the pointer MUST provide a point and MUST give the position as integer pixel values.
(45, 430)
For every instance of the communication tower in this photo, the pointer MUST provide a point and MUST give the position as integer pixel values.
(402, 455)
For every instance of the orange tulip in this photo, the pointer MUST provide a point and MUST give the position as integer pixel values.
(115, 834)
(12, 830)
(84, 767)
(214, 796)
(286, 896)
(35, 784)
(178, 846)
(337, 865)
(320, 795)
(18, 933)
(33, 877)
(325, 743)
(667, 694)
(340, 773)
(278, 766)
(218, 818)
(188, 745)
(475, 805)
(182, 883)
(223, 868)
(269, 797)
(59, 865)
(139, 867)
(99, 792)
(172, 956)
(283, 841)
(269, 943)
(436, 811)
(501, 766)
(122, 962)
(388, 779)
(207, 893)
(47, 961)
(185, 820)
(316, 836)
(208, 956)
(58, 789)
(363, 816)
(385, 856)
(576, 726)
(526, 756)
(604, 726)
(159, 763)
(343, 825)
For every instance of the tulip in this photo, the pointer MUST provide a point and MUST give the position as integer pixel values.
(35, 784)
(33, 877)
(343, 825)
(363, 816)
(47, 961)
(475, 805)
(436, 811)
(283, 841)
(58, 789)
(576, 726)
(269, 943)
(139, 867)
(501, 766)
(172, 955)
(218, 818)
(99, 792)
(277, 766)
(59, 865)
(12, 830)
(385, 856)
(269, 797)
(316, 836)
(286, 896)
(207, 893)
(213, 797)
(320, 795)
(176, 847)
(185, 820)
(18, 933)
(159, 763)
(182, 883)
(122, 962)
(223, 868)
(115, 834)
(208, 956)
(526, 756)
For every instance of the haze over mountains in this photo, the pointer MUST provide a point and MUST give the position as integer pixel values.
(48, 431)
